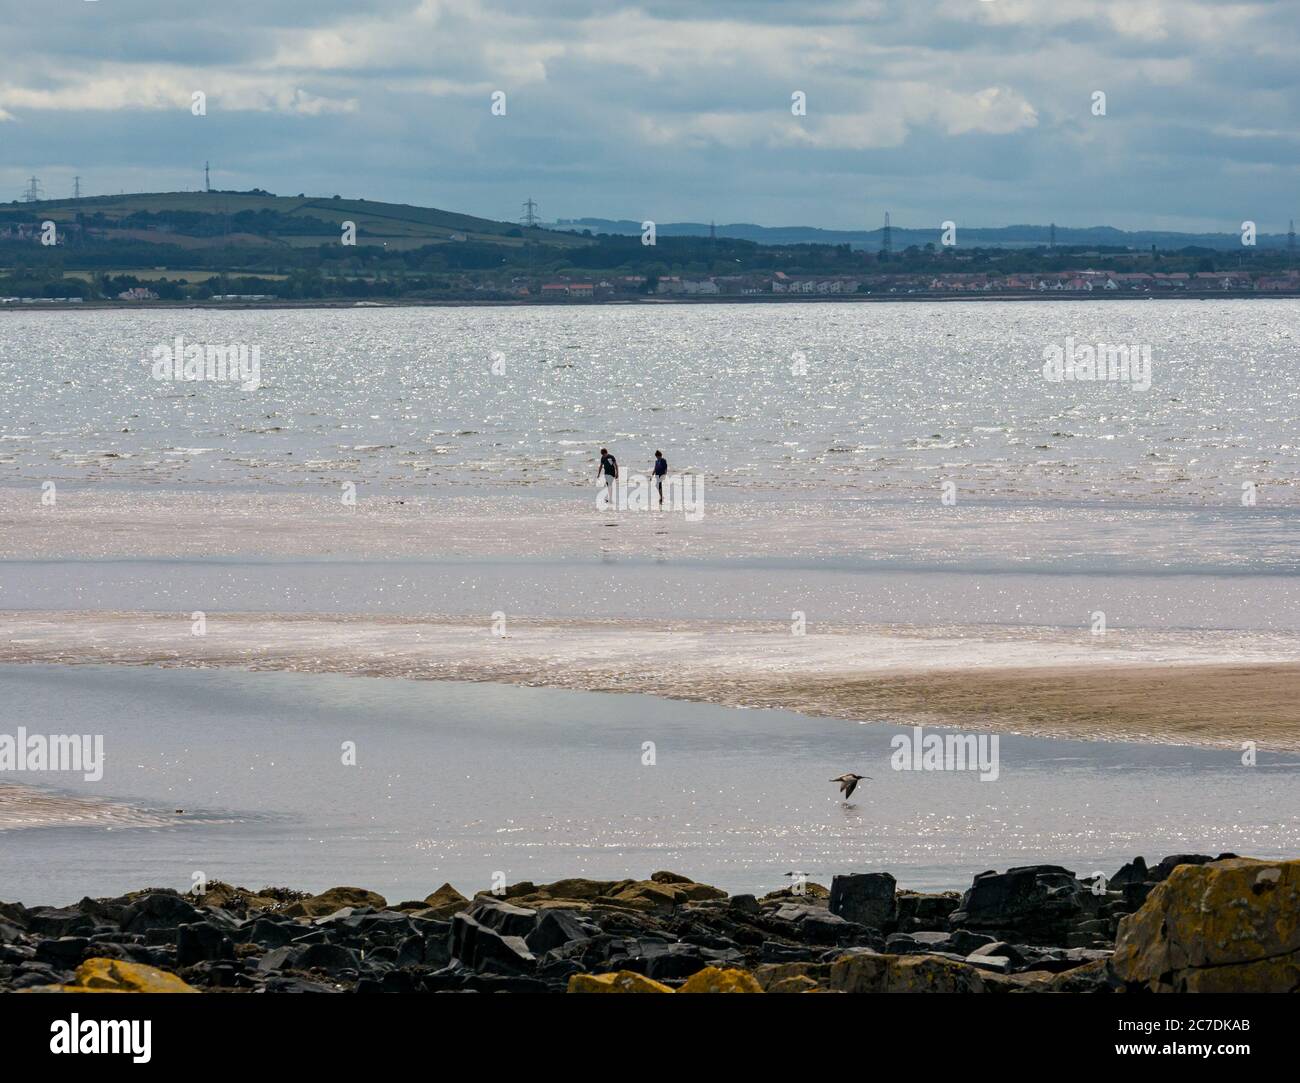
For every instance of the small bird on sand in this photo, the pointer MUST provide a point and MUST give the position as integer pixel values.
(849, 783)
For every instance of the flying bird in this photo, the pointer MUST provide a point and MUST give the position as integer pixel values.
(849, 783)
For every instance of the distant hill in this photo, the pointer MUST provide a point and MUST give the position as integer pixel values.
(202, 219)
(1023, 236)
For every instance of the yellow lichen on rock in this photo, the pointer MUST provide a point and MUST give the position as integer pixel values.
(119, 976)
(1228, 926)
(622, 981)
(871, 973)
(715, 980)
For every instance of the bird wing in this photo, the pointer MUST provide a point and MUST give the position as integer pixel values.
(848, 787)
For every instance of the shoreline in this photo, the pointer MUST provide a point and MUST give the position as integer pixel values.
(367, 303)
(1189, 923)
(1144, 687)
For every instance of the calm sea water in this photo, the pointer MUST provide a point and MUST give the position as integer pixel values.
(458, 782)
(890, 399)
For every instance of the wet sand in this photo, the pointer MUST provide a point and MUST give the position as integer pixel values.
(1213, 690)
(94, 523)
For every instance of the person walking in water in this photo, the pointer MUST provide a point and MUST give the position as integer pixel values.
(609, 467)
(661, 468)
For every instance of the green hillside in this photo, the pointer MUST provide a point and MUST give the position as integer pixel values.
(201, 219)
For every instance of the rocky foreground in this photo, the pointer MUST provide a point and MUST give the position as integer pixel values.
(1190, 923)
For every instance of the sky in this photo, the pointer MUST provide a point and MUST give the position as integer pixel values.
(982, 112)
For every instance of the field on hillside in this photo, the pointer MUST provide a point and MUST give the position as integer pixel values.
(398, 225)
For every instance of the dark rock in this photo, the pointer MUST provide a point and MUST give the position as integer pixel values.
(214, 974)
(1135, 895)
(1168, 864)
(998, 964)
(773, 952)
(964, 941)
(865, 898)
(925, 913)
(59, 921)
(34, 973)
(268, 932)
(664, 962)
(999, 949)
(1135, 872)
(65, 952)
(202, 942)
(807, 922)
(331, 958)
(158, 911)
(556, 927)
(293, 984)
(1039, 901)
(503, 917)
(745, 904)
(484, 949)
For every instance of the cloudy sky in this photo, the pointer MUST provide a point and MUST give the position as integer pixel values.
(979, 111)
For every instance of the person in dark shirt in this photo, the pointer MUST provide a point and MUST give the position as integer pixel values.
(609, 467)
(661, 468)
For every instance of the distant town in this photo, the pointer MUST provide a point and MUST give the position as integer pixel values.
(257, 248)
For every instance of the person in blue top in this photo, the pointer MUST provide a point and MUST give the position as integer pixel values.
(661, 468)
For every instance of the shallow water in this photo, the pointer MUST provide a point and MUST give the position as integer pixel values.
(895, 398)
(456, 782)
(649, 589)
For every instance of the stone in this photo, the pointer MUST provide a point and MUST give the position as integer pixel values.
(554, 928)
(58, 921)
(772, 974)
(484, 949)
(66, 951)
(1226, 926)
(815, 924)
(797, 983)
(1093, 977)
(504, 917)
(999, 964)
(1168, 864)
(158, 911)
(1041, 902)
(965, 942)
(201, 942)
(808, 893)
(116, 976)
(714, 980)
(1135, 872)
(918, 912)
(336, 898)
(866, 898)
(666, 961)
(623, 981)
(291, 983)
(446, 902)
(862, 973)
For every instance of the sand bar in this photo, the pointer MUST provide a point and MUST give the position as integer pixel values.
(1211, 689)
